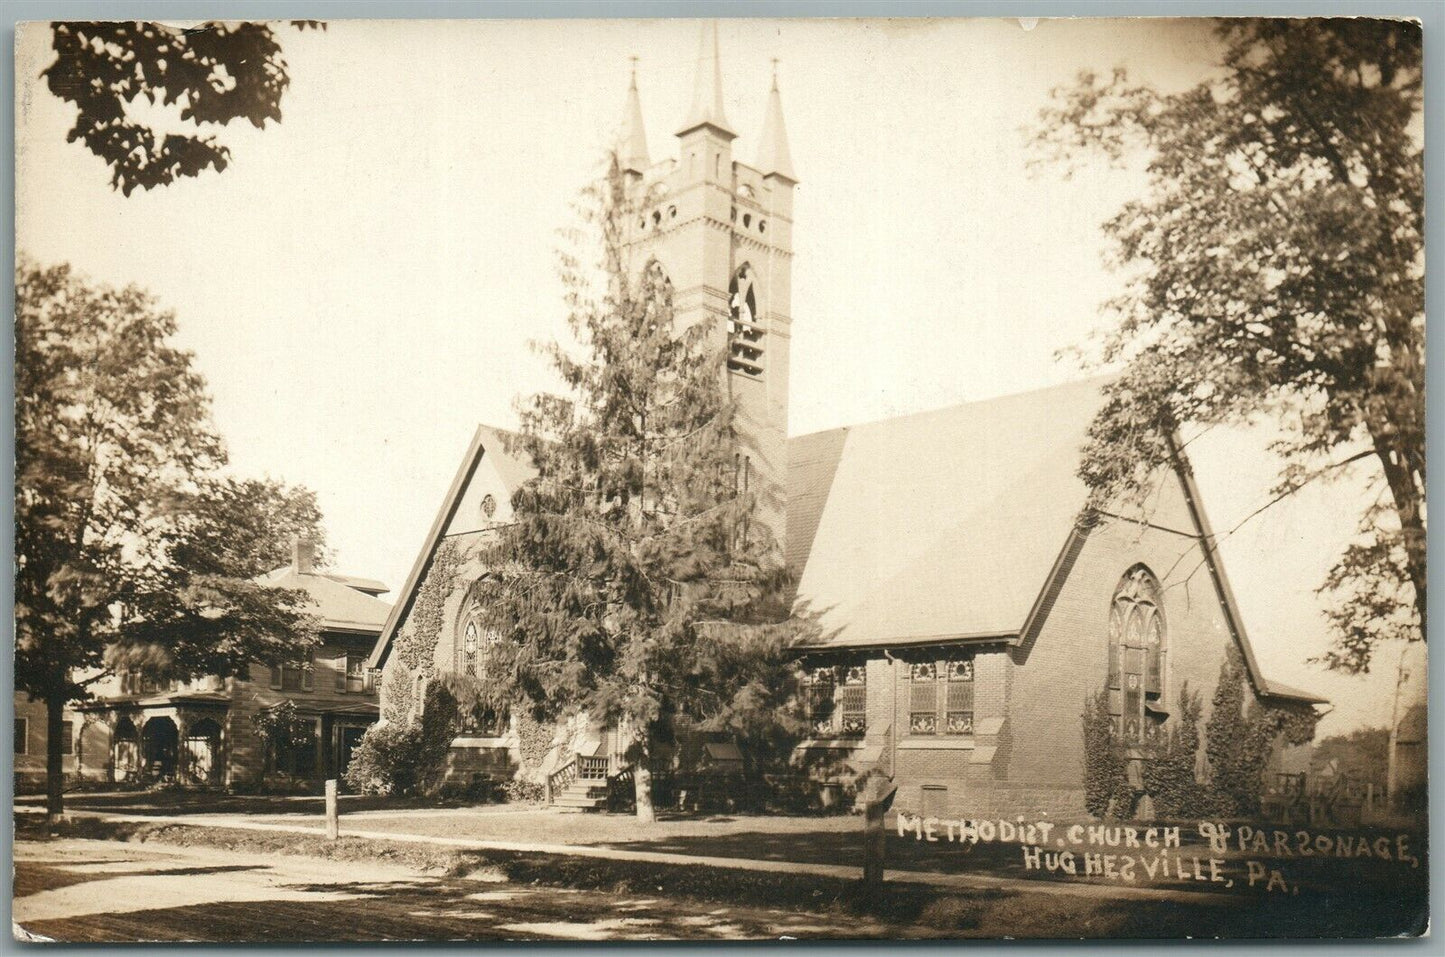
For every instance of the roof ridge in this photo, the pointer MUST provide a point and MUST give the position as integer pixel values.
(970, 403)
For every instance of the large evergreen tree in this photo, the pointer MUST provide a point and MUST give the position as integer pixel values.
(1275, 266)
(635, 584)
(132, 549)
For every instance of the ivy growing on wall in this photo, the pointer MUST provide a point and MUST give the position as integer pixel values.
(1240, 735)
(1105, 785)
(1169, 776)
(1238, 738)
(414, 646)
(397, 694)
(416, 642)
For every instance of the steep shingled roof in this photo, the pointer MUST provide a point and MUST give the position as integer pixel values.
(943, 524)
(950, 525)
(340, 607)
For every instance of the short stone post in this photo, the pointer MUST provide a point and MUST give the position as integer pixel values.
(877, 797)
(332, 825)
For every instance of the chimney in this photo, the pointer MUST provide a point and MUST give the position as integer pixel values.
(305, 562)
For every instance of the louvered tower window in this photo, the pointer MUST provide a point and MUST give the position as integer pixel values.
(745, 325)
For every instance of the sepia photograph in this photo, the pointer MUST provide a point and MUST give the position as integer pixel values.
(729, 479)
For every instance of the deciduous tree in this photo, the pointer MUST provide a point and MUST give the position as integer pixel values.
(215, 73)
(132, 550)
(1275, 266)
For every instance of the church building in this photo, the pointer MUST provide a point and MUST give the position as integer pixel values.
(967, 608)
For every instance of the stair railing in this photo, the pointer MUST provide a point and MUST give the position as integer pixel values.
(560, 779)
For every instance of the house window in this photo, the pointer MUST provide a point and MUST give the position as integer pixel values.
(471, 640)
(958, 697)
(22, 735)
(853, 701)
(940, 696)
(356, 674)
(838, 700)
(1137, 646)
(67, 737)
(293, 677)
(821, 684)
(149, 684)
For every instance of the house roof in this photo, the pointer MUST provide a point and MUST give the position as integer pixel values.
(487, 442)
(340, 606)
(1413, 725)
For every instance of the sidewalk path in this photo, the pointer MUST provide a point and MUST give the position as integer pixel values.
(1092, 891)
(85, 890)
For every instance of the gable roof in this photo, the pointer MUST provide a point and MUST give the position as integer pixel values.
(339, 605)
(487, 442)
(954, 525)
(942, 525)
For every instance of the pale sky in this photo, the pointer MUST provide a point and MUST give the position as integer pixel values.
(361, 284)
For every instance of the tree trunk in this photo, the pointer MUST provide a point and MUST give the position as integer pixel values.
(1408, 504)
(642, 781)
(54, 760)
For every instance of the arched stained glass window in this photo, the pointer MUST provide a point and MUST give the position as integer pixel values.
(470, 641)
(475, 648)
(1137, 646)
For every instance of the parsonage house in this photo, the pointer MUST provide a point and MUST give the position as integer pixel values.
(204, 732)
(31, 743)
(967, 610)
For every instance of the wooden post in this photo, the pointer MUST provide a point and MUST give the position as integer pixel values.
(878, 797)
(331, 822)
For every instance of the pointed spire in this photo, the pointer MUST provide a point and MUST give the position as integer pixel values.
(774, 157)
(632, 147)
(707, 98)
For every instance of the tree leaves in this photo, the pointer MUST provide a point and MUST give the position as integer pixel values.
(1275, 267)
(132, 549)
(214, 74)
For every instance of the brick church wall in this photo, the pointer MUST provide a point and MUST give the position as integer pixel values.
(1054, 675)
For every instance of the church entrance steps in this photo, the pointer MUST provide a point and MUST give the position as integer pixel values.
(582, 796)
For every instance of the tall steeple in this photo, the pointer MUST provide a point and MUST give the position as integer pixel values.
(632, 148)
(707, 98)
(774, 157)
(722, 232)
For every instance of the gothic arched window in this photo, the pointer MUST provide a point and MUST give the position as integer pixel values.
(745, 328)
(475, 648)
(1137, 645)
(471, 638)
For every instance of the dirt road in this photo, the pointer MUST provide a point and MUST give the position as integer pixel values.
(82, 890)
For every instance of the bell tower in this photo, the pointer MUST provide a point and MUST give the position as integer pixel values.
(723, 230)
